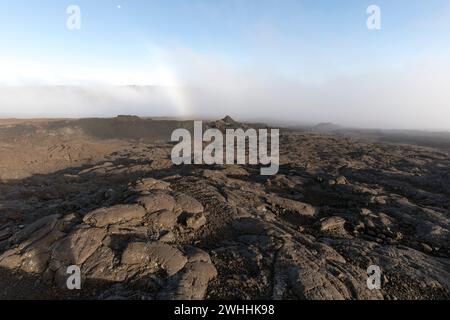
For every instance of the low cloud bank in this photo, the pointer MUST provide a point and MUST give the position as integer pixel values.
(409, 97)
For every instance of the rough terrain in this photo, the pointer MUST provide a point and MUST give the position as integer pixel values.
(103, 194)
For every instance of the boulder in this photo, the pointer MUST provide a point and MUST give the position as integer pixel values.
(196, 221)
(333, 226)
(292, 206)
(153, 255)
(157, 202)
(188, 204)
(114, 215)
(191, 283)
(148, 184)
(76, 248)
(163, 219)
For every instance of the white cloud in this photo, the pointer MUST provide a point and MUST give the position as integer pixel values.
(413, 96)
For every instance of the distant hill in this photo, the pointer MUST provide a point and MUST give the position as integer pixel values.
(326, 127)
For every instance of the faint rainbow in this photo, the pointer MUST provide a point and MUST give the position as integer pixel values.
(176, 93)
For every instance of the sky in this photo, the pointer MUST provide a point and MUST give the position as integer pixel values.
(290, 60)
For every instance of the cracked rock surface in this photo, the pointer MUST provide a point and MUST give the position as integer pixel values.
(140, 228)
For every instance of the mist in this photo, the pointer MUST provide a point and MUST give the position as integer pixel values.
(412, 96)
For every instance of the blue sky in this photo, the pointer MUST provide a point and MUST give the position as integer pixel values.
(313, 42)
(301, 38)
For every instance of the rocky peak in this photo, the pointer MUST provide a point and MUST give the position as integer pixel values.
(228, 120)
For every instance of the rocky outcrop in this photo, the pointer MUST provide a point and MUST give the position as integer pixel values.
(140, 228)
(118, 243)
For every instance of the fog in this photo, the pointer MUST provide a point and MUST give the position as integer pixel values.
(185, 84)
